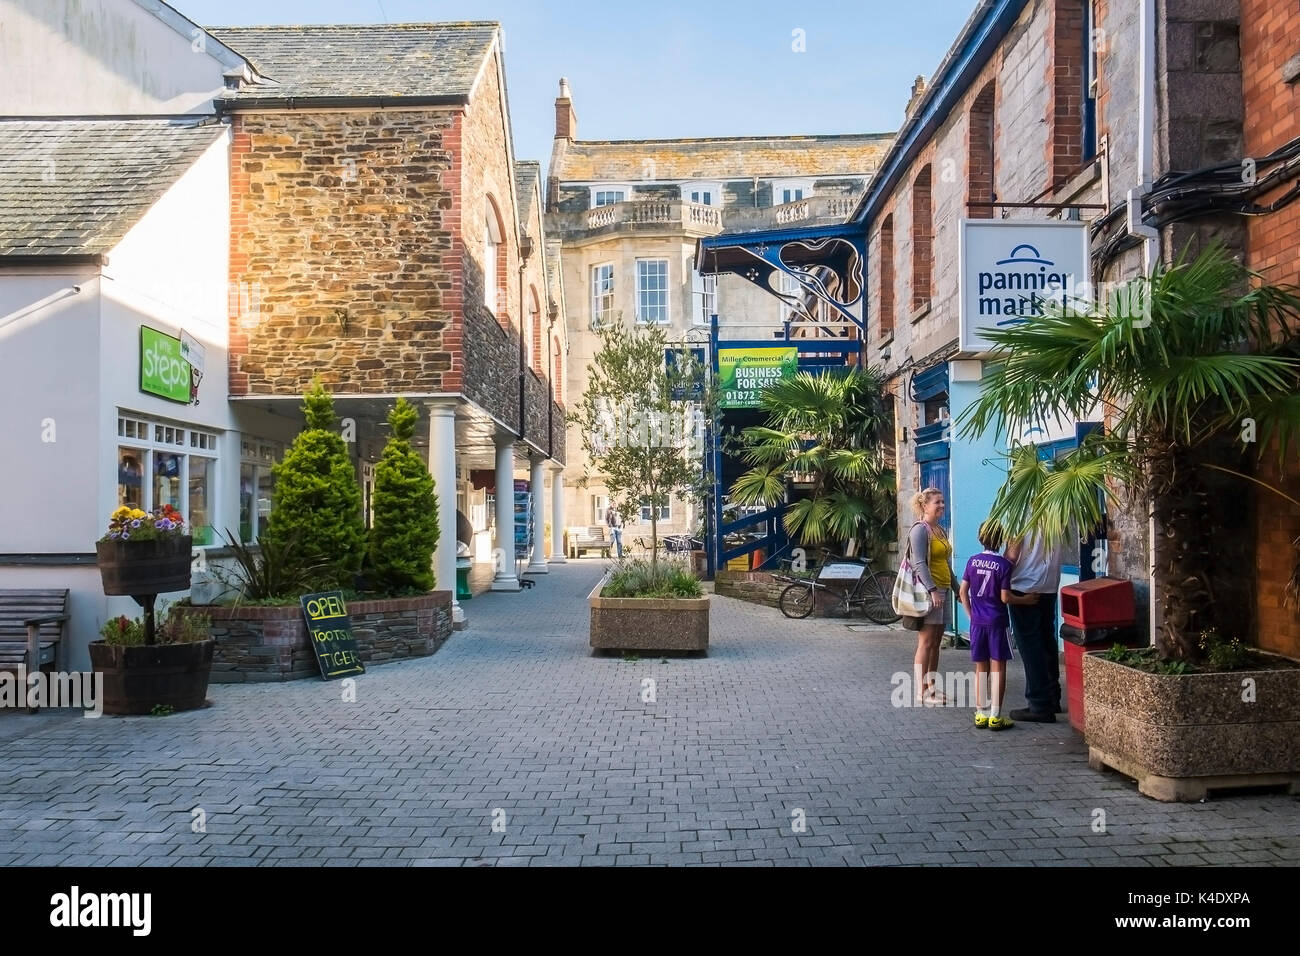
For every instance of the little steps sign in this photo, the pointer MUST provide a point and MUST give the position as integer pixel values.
(1014, 270)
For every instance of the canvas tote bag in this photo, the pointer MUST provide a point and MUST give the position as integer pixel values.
(911, 599)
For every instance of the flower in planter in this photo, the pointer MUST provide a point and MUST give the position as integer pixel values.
(176, 629)
(132, 524)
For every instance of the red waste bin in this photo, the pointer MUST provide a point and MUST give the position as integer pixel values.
(1095, 615)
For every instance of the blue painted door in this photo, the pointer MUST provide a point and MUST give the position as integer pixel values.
(934, 474)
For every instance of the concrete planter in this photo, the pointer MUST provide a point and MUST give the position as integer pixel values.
(648, 624)
(272, 644)
(1180, 736)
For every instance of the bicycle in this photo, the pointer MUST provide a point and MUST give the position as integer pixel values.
(870, 591)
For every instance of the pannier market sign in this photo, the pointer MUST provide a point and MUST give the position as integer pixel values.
(1014, 270)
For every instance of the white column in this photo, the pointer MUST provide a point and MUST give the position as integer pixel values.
(504, 546)
(442, 465)
(537, 491)
(557, 516)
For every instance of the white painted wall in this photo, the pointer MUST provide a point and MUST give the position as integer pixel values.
(49, 387)
(97, 57)
(74, 358)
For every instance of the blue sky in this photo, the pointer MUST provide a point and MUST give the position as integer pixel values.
(674, 68)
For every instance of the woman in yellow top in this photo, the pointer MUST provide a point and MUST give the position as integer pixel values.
(932, 559)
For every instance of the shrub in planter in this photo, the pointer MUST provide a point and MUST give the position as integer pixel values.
(317, 501)
(650, 607)
(404, 533)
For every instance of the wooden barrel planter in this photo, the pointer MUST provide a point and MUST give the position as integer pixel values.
(139, 678)
(145, 567)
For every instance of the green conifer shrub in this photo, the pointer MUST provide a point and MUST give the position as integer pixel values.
(404, 533)
(316, 503)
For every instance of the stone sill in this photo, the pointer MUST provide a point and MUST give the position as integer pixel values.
(920, 312)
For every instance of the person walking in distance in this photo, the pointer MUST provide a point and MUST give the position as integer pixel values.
(932, 557)
(614, 521)
(1037, 575)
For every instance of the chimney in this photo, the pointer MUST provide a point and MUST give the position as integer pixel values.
(566, 121)
(918, 91)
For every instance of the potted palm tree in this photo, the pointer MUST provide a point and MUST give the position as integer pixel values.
(825, 434)
(1195, 387)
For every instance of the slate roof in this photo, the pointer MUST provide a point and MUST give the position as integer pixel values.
(527, 173)
(722, 158)
(360, 60)
(74, 187)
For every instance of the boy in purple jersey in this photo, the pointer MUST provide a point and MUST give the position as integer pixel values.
(985, 594)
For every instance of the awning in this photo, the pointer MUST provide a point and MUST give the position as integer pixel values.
(826, 262)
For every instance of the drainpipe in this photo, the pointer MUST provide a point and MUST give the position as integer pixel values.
(525, 252)
(1148, 234)
(1146, 134)
(550, 377)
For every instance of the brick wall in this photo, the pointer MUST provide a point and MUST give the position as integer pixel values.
(1270, 36)
(345, 224)
(259, 644)
(922, 237)
(1065, 109)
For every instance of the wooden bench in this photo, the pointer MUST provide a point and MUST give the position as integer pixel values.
(31, 629)
(593, 539)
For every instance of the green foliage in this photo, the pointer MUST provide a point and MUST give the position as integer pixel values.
(404, 534)
(317, 501)
(1180, 363)
(176, 628)
(122, 631)
(161, 710)
(1224, 655)
(1117, 653)
(644, 579)
(270, 572)
(641, 442)
(830, 428)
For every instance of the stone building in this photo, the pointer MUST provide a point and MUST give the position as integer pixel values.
(266, 205)
(627, 216)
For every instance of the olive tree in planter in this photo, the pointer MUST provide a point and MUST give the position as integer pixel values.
(639, 420)
(144, 555)
(1195, 371)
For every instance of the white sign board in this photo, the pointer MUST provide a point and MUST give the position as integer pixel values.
(192, 351)
(842, 571)
(1013, 270)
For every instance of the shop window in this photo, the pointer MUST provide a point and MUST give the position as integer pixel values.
(607, 197)
(652, 291)
(886, 257)
(704, 291)
(255, 486)
(161, 463)
(922, 239)
(665, 512)
(979, 184)
(602, 294)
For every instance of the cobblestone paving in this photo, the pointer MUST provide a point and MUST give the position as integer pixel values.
(514, 723)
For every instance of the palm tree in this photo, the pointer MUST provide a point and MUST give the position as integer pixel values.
(826, 428)
(1192, 387)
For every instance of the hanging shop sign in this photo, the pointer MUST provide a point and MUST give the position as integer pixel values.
(332, 640)
(1013, 270)
(744, 373)
(686, 388)
(164, 371)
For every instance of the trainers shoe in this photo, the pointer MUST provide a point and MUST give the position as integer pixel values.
(981, 720)
(1000, 723)
(1034, 716)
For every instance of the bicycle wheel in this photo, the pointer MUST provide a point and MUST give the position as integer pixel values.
(797, 601)
(878, 605)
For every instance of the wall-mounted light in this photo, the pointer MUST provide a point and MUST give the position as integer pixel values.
(885, 353)
(904, 434)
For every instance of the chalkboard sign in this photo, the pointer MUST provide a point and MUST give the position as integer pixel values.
(332, 639)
